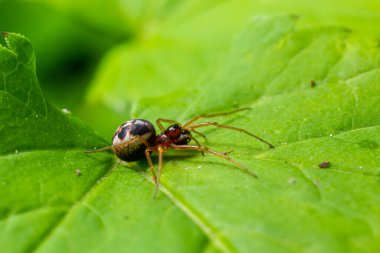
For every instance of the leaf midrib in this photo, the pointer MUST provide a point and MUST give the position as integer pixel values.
(217, 238)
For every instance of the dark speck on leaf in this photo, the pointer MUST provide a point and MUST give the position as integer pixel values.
(313, 84)
(324, 165)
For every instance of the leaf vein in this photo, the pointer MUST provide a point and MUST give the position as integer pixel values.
(60, 221)
(218, 240)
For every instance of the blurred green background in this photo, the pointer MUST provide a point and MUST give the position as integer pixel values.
(100, 58)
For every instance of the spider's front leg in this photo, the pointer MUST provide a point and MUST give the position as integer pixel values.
(147, 155)
(191, 121)
(160, 120)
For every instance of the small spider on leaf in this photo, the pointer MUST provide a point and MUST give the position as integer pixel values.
(136, 139)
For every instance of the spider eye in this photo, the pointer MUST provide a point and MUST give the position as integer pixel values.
(185, 132)
(174, 127)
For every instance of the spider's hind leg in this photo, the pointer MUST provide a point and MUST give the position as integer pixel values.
(221, 155)
(156, 177)
(151, 167)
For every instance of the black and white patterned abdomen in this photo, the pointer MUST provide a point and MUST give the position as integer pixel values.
(135, 150)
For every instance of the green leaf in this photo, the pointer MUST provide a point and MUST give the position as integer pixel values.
(28, 121)
(177, 54)
(295, 205)
(42, 152)
(205, 203)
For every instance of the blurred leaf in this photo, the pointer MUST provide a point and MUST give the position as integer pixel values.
(28, 122)
(138, 17)
(66, 59)
(177, 53)
(168, 57)
(105, 16)
(195, 30)
(293, 206)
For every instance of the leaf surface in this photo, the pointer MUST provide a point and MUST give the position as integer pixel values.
(207, 203)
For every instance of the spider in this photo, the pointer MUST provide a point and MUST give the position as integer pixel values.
(136, 139)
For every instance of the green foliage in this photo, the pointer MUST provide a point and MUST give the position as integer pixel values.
(54, 197)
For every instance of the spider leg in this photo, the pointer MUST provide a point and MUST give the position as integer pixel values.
(147, 155)
(230, 127)
(160, 166)
(191, 137)
(159, 124)
(126, 143)
(116, 145)
(100, 149)
(227, 152)
(188, 123)
(204, 136)
(207, 150)
(198, 144)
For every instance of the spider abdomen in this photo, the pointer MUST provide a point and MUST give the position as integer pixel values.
(129, 130)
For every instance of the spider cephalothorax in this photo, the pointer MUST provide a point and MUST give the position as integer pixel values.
(174, 134)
